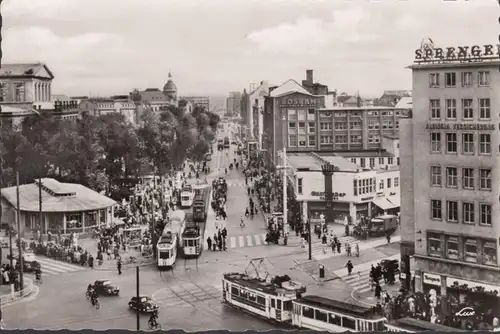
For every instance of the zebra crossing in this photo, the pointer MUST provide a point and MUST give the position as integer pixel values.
(243, 241)
(321, 251)
(53, 267)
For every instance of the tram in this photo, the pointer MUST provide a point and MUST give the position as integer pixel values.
(192, 240)
(171, 239)
(187, 196)
(411, 325)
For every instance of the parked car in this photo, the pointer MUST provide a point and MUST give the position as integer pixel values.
(143, 304)
(30, 264)
(105, 287)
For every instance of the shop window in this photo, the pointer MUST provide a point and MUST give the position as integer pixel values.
(452, 248)
(434, 244)
(489, 253)
(470, 250)
(320, 315)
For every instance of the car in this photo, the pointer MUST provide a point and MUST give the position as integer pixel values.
(143, 304)
(105, 287)
(30, 264)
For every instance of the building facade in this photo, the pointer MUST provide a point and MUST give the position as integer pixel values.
(451, 179)
(233, 104)
(357, 192)
(198, 101)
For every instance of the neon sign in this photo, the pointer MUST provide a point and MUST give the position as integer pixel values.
(462, 54)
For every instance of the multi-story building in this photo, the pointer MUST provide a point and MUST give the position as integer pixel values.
(450, 175)
(102, 106)
(252, 111)
(233, 104)
(198, 101)
(357, 192)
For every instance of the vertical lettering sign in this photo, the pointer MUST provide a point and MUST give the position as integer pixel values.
(461, 54)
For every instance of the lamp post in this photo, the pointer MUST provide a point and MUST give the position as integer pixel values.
(328, 170)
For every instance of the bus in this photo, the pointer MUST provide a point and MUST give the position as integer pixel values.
(171, 239)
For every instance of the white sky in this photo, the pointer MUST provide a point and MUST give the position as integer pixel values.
(109, 47)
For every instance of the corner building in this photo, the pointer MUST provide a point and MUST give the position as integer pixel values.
(450, 181)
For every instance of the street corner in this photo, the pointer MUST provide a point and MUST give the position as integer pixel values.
(389, 249)
(29, 294)
(316, 270)
(366, 295)
(339, 262)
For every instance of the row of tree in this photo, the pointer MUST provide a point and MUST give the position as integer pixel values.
(101, 152)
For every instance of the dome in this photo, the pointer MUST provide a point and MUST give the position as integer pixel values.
(170, 86)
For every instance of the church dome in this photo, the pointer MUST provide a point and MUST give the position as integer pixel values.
(170, 87)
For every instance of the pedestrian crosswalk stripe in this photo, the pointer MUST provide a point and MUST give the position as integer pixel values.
(360, 281)
(233, 242)
(241, 240)
(249, 240)
(257, 240)
(322, 251)
(55, 267)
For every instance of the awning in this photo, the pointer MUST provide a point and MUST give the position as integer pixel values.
(383, 203)
(396, 200)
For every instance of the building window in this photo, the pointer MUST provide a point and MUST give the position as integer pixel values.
(340, 139)
(451, 143)
(397, 161)
(326, 126)
(389, 183)
(355, 139)
(452, 248)
(326, 139)
(485, 179)
(312, 127)
(436, 209)
(466, 79)
(340, 125)
(292, 140)
(292, 126)
(467, 178)
(434, 244)
(470, 250)
(353, 160)
(362, 162)
(484, 79)
(380, 161)
(451, 177)
(396, 182)
(381, 185)
(302, 141)
(485, 143)
(468, 143)
(467, 110)
(452, 211)
(468, 213)
(451, 108)
(19, 92)
(435, 108)
(302, 127)
(390, 161)
(312, 141)
(489, 253)
(436, 176)
(433, 80)
(450, 79)
(299, 186)
(485, 214)
(372, 162)
(435, 142)
(484, 109)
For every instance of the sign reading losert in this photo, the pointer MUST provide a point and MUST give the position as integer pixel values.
(460, 126)
(462, 54)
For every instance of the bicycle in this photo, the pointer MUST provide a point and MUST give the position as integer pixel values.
(87, 294)
(96, 304)
(38, 280)
(153, 324)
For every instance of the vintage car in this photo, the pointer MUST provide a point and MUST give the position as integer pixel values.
(105, 287)
(30, 264)
(143, 304)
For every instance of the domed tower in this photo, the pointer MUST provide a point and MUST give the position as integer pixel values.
(170, 89)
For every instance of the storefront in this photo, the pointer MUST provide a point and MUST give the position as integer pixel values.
(318, 208)
(430, 282)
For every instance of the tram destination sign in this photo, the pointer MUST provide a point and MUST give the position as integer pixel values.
(461, 54)
(460, 126)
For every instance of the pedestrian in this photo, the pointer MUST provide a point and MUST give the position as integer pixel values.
(91, 262)
(357, 250)
(209, 243)
(119, 266)
(378, 290)
(388, 238)
(349, 267)
(338, 247)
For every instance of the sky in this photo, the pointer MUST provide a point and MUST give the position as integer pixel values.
(212, 47)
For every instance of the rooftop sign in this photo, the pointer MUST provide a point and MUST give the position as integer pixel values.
(460, 54)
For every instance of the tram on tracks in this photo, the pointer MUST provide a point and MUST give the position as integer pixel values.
(192, 246)
(171, 239)
(279, 299)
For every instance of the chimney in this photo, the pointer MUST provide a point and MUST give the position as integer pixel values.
(309, 76)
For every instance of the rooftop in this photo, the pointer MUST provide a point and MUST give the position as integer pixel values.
(31, 69)
(290, 86)
(340, 306)
(287, 287)
(312, 163)
(405, 102)
(56, 197)
(423, 66)
(360, 154)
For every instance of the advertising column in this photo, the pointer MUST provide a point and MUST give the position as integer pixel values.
(328, 170)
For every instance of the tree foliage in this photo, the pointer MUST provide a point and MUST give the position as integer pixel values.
(100, 151)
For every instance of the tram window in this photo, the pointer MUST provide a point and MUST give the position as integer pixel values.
(273, 303)
(308, 312)
(287, 305)
(278, 306)
(348, 323)
(243, 294)
(164, 254)
(234, 291)
(261, 300)
(252, 297)
(320, 315)
(334, 319)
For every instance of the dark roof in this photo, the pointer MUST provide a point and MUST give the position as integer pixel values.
(24, 69)
(339, 306)
(191, 232)
(262, 285)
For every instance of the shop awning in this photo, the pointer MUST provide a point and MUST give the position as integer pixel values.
(396, 200)
(383, 203)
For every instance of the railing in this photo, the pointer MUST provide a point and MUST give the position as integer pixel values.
(28, 289)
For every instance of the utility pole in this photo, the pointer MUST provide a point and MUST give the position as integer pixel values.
(18, 218)
(285, 197)
(309, 240)
(138, 314)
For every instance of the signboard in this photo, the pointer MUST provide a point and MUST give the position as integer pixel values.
(460, 126)
(300, 101)
(432, 279)
(321, 195)
(428, 53)
(465, 312)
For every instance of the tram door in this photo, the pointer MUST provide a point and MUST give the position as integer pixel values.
(197, 246)
(272, 310)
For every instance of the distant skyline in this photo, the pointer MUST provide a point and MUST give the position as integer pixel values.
(110, 47)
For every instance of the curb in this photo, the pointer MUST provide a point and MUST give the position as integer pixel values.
(18, 295)
(126, 266)
(316, 277)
